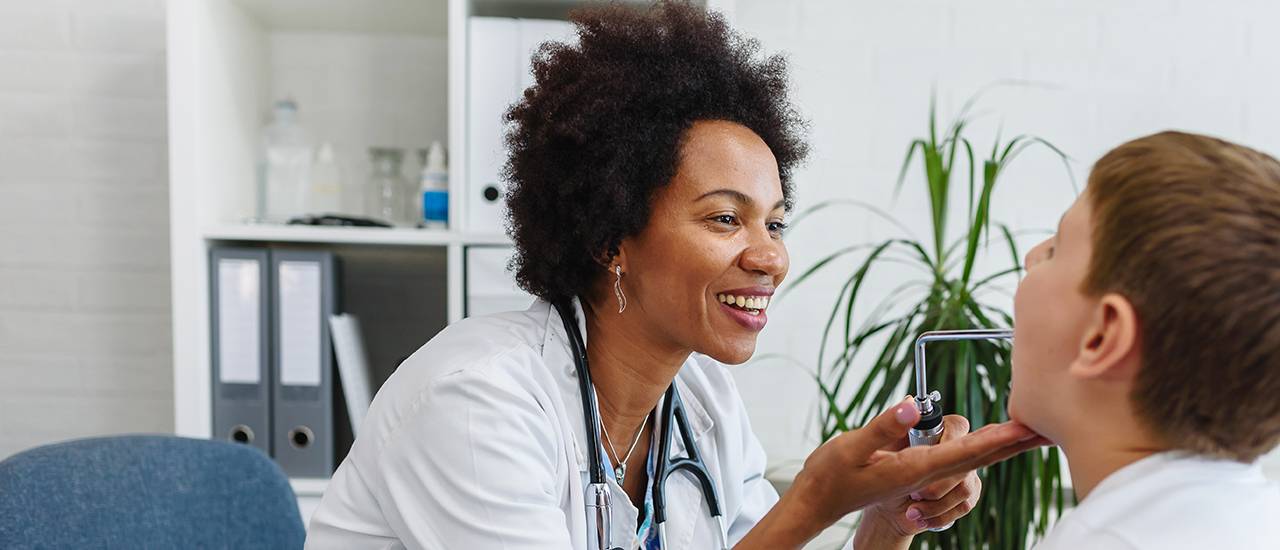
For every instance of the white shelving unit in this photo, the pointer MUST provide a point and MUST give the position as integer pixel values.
(350, 235)
(365, 73)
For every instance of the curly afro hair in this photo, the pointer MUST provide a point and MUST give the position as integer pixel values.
(601, 128)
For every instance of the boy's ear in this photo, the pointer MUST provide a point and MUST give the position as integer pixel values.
(1110, 342)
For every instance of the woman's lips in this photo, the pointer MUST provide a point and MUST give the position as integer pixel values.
(754, 323)
(747, 306)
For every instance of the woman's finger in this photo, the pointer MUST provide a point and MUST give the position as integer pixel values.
(948, 517)
(999, 455)
(986, 446)
(954, 426)
(885, 430)
(937, 489)
(969, 489)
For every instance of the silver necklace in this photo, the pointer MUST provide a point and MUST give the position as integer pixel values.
(620, 470)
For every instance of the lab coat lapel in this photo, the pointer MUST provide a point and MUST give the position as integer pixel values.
(688, 524)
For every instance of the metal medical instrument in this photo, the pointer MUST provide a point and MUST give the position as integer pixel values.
(928, 431)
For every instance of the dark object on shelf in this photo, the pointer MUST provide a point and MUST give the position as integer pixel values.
(335, 219)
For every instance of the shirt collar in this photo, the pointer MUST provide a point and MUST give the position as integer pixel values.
(1180, 465)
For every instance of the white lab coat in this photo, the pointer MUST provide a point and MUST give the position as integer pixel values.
(477, 442)
(1174, 501)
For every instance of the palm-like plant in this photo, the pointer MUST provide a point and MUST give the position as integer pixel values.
(1021, 495)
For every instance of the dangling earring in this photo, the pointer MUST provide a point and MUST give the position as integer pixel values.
(617, 289)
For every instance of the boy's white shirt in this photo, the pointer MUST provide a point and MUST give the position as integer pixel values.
(1174, 501)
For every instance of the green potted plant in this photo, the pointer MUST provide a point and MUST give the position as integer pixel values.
(1022, 495)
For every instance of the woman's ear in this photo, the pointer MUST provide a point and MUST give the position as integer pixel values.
(1109, 348)
(615, 257)
(607, 260)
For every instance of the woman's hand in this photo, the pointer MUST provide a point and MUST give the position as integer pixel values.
(934, 506)
(873, 465)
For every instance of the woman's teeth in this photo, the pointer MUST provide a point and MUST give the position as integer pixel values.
(752, 304)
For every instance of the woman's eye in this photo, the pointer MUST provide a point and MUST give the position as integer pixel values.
(727, 219)
(777, 228)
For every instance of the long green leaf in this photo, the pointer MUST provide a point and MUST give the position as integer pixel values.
(1021, 495)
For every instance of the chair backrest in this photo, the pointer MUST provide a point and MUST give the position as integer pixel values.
(146, 492)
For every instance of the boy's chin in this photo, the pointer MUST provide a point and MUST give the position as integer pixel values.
(1026, 415)
(1018, 411)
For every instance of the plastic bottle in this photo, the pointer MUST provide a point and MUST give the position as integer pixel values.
(284, 172)
(326, 183)
(434, 190)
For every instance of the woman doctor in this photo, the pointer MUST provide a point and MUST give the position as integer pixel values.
(649, 176)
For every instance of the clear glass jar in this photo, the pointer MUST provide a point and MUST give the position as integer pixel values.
(389, 197)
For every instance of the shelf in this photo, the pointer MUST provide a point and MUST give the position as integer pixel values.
(349, 235)
(308, 486)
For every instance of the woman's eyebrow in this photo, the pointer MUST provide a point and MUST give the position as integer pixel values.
(736, 196)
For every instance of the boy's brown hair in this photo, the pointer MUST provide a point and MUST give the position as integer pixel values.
(1187, 228)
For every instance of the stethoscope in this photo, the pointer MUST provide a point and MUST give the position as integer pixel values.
(598, 507)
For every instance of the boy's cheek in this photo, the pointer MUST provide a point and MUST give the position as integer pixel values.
(1018, 390)
(1025, 405)
(1027, 351)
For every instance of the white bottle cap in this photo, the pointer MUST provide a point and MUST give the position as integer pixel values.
(435, 158)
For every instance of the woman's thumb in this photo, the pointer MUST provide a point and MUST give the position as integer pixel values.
(887, 428)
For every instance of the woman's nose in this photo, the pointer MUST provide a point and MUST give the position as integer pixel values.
(768, 258)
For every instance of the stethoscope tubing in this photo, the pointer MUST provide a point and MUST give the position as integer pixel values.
(673, 413)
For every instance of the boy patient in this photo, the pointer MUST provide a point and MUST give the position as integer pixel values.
(1148, 348)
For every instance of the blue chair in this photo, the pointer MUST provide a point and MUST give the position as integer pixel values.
(146, 492)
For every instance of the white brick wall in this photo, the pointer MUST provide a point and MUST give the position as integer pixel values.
(84, 279)
(84, 323)
(862, 73)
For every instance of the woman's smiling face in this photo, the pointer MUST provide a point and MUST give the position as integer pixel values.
(714, 237)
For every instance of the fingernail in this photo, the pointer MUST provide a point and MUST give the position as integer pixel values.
(922, 524)
(905, 414)
(916, 497)
(913, 514)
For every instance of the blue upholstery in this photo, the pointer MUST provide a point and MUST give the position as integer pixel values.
(146, 492)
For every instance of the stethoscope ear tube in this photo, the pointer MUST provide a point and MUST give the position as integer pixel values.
(599, 509)
(585, 389)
